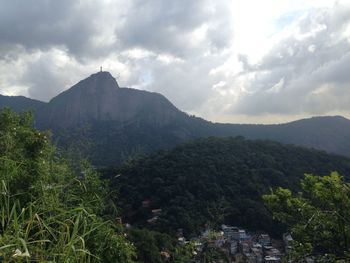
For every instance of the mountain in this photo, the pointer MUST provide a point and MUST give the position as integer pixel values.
(328, 133)
(99, 98)
(213, 181)
(20, 103)
(110, 124)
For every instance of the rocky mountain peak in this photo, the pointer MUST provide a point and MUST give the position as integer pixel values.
(102, 76)
(99, 98)
(99, 84)
(100, 81)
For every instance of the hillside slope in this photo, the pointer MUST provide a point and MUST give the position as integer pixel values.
(328, 133)
(214, 181)
(20, 103)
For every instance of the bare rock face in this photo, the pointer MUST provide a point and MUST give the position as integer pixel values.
(99, 98)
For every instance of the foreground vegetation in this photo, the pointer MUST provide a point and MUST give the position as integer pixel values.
(47, 212)
(317, 217)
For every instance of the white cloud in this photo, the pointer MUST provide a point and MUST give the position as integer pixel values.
(226, 60)
(304, 72)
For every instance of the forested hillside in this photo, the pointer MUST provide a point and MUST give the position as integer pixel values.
(213, 181)
(20, 103)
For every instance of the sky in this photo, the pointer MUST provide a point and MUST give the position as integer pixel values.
(238, 61)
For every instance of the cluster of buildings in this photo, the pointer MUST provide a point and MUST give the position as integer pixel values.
(235, 243)
(241, 246)
(253, 248)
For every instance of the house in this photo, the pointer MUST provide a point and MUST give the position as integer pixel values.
(165, 254)
(245, 247)
(264, 240)
(271, 251)
(233, 247)
(152, 220)
(198, 245)
(288, 240)
(220, 241)
(258, 252)
(270, 259)
(249, 258)
(146, 203)
(239, 234)
(228, 231)
(272, 254)
(156, 212)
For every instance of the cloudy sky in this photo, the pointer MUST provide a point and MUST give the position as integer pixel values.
(246, 61)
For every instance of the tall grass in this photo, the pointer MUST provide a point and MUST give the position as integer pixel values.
(30, 234)
(47, 212)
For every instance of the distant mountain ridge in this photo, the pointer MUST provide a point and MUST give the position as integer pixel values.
(109, 124)
(328, 133)
(20, 103)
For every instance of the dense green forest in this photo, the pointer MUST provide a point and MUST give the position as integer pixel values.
(212, 181)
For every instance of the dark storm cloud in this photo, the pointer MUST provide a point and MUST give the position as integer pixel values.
(41, 24)
(161, 26)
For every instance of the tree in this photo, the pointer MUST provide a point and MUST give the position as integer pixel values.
(318, 217)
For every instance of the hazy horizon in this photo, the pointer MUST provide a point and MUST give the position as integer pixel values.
(244, 61)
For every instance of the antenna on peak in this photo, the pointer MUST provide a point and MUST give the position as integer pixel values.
(101, 69)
